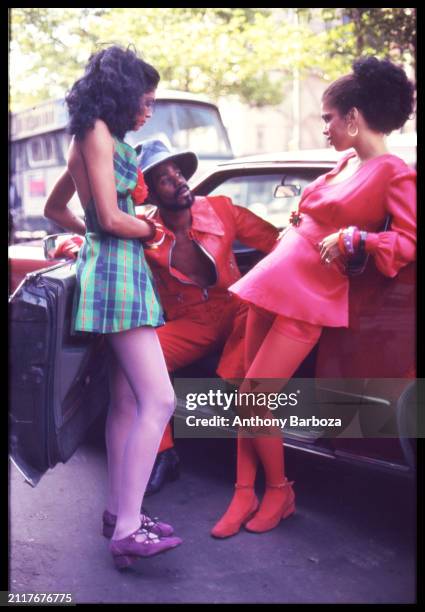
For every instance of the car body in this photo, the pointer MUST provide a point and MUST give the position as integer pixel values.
(367, 369)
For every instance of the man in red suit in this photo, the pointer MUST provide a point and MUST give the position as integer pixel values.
(193, 265)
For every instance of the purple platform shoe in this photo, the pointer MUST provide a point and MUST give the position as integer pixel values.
(163, 530)
(127, 551)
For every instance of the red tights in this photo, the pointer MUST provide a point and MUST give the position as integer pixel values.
(275, 347)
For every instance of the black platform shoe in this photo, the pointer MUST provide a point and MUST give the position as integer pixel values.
(166, 467)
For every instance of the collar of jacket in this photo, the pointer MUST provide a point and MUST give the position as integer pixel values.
(204, 218)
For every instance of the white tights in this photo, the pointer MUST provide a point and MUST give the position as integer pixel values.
(135, 423)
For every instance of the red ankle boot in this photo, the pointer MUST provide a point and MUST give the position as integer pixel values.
(278, 503)
(242, 507)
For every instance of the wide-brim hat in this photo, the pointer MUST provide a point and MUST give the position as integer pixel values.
(154, 152)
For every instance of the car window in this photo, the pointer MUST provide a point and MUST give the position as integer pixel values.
(65, 141)
(18, 157)
(199, 129)
(256, 192)
(41, 150)
(186, 125)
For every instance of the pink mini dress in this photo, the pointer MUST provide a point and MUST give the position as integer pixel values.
(292, 281)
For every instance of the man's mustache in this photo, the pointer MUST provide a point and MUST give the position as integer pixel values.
(179, 190)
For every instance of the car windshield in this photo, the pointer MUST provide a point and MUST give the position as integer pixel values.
(186, 125)
(256, 192)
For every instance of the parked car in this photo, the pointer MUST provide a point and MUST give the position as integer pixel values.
(366, 370)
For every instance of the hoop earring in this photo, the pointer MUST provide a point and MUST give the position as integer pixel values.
(355, 133)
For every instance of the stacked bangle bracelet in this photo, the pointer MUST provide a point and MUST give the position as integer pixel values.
(348, 239)
(340, 241)
(351, 240)
(362, 240)
(156, 236)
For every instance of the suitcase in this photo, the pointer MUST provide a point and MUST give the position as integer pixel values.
(58, 381)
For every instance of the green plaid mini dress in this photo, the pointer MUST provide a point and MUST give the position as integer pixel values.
(115, 289)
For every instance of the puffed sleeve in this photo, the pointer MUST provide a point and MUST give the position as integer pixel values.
(396, 248)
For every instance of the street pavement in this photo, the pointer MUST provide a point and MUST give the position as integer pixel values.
(352, 539)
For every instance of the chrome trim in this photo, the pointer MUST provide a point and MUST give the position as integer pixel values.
(30, 481)
(36, 273)
(313, 451)
(370, 461)
(12, 295)
(309, 436)
(377, 400)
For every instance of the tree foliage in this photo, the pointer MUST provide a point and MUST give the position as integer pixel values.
(385, 32)
(249, 52)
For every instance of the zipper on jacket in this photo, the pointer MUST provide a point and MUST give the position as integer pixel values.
(210, 257)
(169, 267)
(205, 294)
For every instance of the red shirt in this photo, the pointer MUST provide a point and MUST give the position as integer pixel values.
(216, 223)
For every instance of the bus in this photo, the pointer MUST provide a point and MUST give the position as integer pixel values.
(39, 144)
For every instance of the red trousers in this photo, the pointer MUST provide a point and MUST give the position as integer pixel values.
(198, 331)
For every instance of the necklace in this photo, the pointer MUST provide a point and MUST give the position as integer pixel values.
(357, 162)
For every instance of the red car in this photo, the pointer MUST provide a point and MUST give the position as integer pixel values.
(366, 372)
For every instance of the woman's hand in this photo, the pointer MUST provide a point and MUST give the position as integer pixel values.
(157, 236)
(68, 248)
(329, 248)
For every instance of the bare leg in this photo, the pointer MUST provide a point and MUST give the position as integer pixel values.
(182, 342)
(139, 355)
(121, 414)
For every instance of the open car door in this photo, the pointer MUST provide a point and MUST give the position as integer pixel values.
(58, 381)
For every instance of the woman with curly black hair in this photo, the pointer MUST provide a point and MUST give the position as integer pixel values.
(115, 293)
(340, 215)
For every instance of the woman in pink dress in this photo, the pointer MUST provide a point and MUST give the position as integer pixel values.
(301, 287)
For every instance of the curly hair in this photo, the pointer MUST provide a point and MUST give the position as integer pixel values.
(379, 89)
(113, 83)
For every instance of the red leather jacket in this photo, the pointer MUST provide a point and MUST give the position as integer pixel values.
(216, 223)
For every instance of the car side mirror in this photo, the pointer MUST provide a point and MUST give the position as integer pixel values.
(287, 191)
(51, 242)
